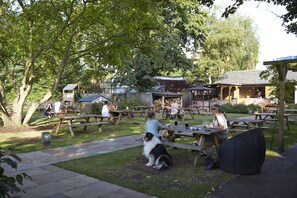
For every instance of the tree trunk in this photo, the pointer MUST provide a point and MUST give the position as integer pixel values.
(34, 106)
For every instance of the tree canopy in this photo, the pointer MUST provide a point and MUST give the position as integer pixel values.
(47, 44)
(289, 18)
(230, 45)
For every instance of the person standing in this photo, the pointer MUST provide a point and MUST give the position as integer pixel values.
(57, 107)
(174, 109)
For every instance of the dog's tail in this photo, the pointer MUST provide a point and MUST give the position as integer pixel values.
(163, 162)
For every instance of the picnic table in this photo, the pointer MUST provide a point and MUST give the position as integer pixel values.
(118, 114)
(248, 123)
(80, 120)
(166, 114)
(142, 110)
(273, 116)
(197, 132)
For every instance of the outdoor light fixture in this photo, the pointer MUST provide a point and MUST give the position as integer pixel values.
(46, 138)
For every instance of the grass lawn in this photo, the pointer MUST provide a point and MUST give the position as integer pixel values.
(127, 168)
(30, 140)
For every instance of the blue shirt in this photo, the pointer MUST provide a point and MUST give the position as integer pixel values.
(153, 126)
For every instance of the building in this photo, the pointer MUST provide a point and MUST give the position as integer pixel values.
(245, 85)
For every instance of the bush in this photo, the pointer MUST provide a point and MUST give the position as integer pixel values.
(97, 107)
(10, 184)
(240, 108)
(130, 102)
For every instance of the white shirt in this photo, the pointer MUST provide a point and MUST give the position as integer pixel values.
(174, 108)
(220, 120)
(105, 111)
(57, 107)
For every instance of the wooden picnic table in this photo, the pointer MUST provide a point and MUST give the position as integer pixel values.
(118, 114)
(166, 114)
(80, 120)
(234, 122)
(142, 110)
(272, 116)
(197, 132)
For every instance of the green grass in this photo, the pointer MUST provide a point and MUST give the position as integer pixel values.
(21, 142)
(127, 168)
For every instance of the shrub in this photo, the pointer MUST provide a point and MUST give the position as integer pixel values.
(97, 107)
(240, 108)
(10, 184)
(130, 102)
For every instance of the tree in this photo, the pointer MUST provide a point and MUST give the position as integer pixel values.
(44, 43)
(289, 18)
(181, 28)
(231, 44)
(272, 75)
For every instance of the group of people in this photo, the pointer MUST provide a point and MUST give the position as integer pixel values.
(49, 108)
(219, 121)
(107, 107)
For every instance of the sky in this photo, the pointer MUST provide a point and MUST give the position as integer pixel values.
(274, 41)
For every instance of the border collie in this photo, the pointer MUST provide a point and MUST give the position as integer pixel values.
(156, 152)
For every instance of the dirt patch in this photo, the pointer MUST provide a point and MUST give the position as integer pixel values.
(12, 129)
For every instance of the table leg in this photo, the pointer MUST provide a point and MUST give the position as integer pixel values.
(58, 126)
(216, 143)
(70, 128)
(287, 122)
(87, 121)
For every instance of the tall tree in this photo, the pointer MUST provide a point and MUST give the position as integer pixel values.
(231, 44)
(52, 40)
(181, 29)
(289, 18)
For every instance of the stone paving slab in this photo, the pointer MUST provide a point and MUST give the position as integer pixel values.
(54, 182)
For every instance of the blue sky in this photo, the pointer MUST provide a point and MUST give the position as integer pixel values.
(274, 41)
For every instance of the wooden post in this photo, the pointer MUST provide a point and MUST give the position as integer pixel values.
(221, 92)
(282, 73)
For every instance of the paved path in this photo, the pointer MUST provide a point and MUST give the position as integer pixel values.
(277, 179)
(53, 182)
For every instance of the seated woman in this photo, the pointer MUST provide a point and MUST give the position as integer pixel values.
(153, 126)
(47, 110)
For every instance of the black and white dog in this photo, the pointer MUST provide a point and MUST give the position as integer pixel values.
(156, 152)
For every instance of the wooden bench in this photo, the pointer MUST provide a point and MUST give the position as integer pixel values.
(85, 124)
(187, 134)
(114, 119)
(139, 112)
(186, 146)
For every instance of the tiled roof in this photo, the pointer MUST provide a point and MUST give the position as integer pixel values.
(70, 87)
(248, 77)
(91, 98)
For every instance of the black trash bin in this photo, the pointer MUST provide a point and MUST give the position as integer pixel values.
(243, 154)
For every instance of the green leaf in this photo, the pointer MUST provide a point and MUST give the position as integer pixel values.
(10, 162)
(19, 179)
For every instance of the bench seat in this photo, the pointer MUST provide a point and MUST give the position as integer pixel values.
(99, 124)
(87, 124)
(188, 134)
(186, 146)
(183, 146)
